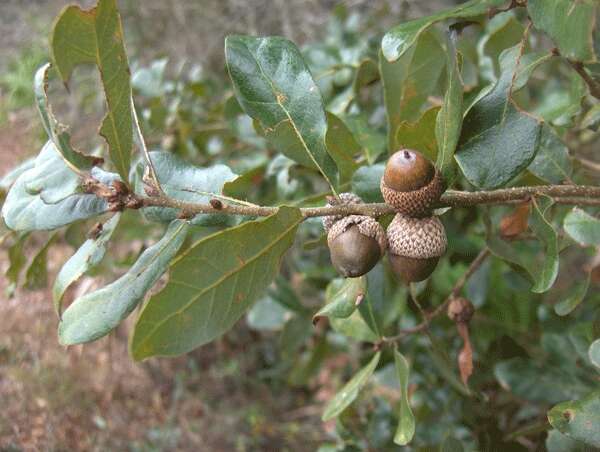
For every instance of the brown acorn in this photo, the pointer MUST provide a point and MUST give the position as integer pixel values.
(411, 183)
(343, 198)
(415, 246)
(356, 244)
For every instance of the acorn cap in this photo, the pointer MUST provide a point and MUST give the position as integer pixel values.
(415, 203)
(367, 226)
(343, 198)
(419, 238)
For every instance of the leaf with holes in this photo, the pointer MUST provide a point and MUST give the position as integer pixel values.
(96, 36)
(212, 284)
(274, 86)
(56, 131)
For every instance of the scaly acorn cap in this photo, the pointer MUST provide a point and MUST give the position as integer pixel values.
(411, 183)
(415, 246)
(356, 244)
(343, 198)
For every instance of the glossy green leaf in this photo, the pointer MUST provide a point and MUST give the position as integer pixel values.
(366, 180)
(501, 32)
(354, 327)
(274, 86)
(56, 131)
(582, 227)
(509, 254)
(570, 24)
(409, 81)
(367, 72)
(401, 38)
(46, 196)
(498, 140)
(95, 37)
(95, 314)
(449, 119)
(594, 353)
(343, 299)
(36, 276)
(349, 392)
(212, 284)
(552, 163)
(342, 147)
(547, 273)
(85, 258)
(420, 135)
(186, 182)
(578, 419)
(406, 424)
(574, 297)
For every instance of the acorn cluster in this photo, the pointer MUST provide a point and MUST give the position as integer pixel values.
(415, 239)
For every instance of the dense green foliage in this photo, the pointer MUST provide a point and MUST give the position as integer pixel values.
(498, 94)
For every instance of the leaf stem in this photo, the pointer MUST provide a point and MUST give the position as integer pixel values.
(424, 325)
(142, 144)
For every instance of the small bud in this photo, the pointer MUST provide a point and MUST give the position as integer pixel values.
(460, 310)
(134, 203)
(120, 187)
(115, 206)
(216, 204)
(95, 231)
(185, 215)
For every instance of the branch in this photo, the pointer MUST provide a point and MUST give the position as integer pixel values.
(578, 66)
(121, 197)
(481, 257)
(561, 194)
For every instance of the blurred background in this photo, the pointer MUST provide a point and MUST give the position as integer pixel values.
(229, 395)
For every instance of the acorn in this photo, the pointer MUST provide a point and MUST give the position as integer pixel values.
(343, 198)
(411, 183)
(415, 246)
(356, 243)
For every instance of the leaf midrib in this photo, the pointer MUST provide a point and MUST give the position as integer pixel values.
(289, 118)
(218, 282)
